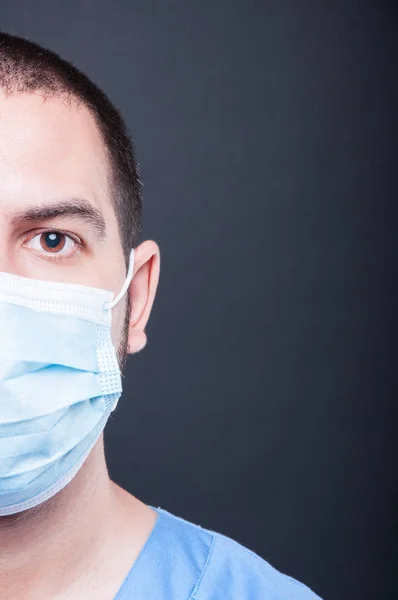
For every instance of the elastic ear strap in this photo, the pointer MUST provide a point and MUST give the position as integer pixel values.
(127, 282)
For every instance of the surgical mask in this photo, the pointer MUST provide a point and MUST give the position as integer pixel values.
(59, 382)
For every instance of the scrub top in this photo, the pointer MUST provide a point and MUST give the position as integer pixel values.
(183, 561)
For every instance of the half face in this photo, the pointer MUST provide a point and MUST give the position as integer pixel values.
(57, 222)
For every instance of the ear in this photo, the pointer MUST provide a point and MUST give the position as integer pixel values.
(142, 292)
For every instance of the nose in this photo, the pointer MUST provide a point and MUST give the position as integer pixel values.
(10, 256)
(8, 264)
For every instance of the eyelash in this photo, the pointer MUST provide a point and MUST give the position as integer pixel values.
(56, 257)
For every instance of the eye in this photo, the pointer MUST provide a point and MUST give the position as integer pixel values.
(52, 242)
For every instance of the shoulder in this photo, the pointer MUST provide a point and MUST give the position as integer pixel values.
(229, 570)
(241, 574)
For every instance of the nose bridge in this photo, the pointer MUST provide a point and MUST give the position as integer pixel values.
(4, 245)
(8, 247)
(7, 265)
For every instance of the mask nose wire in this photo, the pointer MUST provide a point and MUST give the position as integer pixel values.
(129, 277)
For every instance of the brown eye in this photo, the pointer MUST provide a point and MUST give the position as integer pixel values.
(52, 241)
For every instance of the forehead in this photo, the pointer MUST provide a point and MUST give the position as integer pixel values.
(50, 147)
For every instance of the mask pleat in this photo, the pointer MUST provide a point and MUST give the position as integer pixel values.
(47, 338)
(44, 392)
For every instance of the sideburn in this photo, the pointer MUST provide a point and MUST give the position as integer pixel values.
(121, 352)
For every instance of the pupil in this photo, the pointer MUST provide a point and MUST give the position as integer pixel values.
(52, 240)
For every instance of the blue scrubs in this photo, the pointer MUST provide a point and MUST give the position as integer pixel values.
(182, 561)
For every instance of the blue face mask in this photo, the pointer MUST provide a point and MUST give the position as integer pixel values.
(59, 382)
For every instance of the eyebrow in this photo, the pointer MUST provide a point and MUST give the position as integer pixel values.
(67, 207)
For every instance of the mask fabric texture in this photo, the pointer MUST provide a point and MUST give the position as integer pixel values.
(59, 382)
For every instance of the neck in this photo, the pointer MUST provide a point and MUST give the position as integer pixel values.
(90, 534)
(58, 532)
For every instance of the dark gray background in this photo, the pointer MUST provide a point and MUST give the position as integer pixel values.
(264, 404)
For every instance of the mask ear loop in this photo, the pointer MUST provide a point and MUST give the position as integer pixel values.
(129, 277)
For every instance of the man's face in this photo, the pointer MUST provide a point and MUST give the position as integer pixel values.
(57, 221)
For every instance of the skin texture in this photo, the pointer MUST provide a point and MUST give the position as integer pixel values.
(82, 542)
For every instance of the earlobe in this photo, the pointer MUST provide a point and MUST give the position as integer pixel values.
(137, 341)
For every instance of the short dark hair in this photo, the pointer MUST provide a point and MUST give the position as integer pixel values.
(27, 67)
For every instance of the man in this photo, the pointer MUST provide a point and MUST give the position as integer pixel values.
(70, 212)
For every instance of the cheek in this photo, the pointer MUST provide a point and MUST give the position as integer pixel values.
(118, 316)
